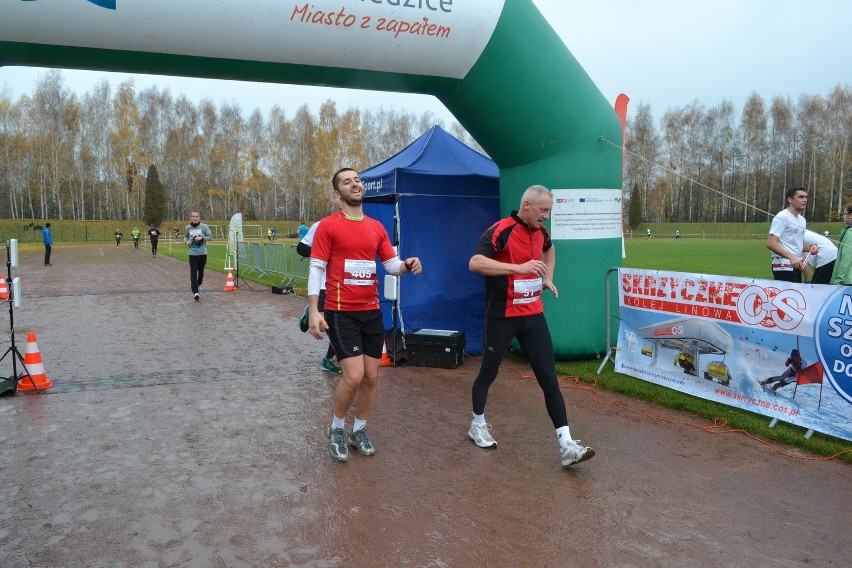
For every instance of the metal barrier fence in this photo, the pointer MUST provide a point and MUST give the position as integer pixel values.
(244, 257)
(257, 259)
(280, 259)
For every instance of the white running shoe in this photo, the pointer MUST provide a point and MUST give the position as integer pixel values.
(481, 435)
(575, 453)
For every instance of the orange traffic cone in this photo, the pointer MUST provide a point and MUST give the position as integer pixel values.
(4, 292)
(386, 361)
(229, 283)
(34, 366)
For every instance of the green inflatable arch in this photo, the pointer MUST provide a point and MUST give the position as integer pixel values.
(497, 65)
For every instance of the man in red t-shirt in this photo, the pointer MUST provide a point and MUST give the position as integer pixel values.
(518, 260)
(345, 247)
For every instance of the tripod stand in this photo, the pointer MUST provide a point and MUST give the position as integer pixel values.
(10, 384)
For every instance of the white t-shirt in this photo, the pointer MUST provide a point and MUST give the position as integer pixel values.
(790, 231)
(827, 251)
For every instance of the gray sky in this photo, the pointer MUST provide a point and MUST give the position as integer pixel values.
(665, 53)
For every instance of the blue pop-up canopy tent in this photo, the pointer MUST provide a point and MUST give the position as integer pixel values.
(435, 198)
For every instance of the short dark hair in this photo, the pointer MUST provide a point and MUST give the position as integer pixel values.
(792, 192)
(849, 208)
(337, 173)
(47, 225)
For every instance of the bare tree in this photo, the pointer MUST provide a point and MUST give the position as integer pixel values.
(279, 136)
(780, 144)
(753, 128)
(643, 143)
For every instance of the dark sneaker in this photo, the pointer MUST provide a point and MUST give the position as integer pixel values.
(358, 439)
(329, 365)
(197, 296)
(303, 322)
(337, 444)
(575, 453)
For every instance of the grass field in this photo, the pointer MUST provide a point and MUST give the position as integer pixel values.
(725, 257)
(745, 256)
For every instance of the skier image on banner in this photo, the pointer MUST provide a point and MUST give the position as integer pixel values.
(795, 364)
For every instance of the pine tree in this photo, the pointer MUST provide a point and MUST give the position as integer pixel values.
(155, 198)
(634, 212)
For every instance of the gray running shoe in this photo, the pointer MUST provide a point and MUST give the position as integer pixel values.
(481, 435)
(575, 453)
(358, 439)
(337, 444)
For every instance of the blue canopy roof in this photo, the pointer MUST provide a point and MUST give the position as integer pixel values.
(437, 163)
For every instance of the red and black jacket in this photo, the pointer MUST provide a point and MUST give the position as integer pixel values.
(512, 241)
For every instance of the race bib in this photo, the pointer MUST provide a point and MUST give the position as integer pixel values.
(359, 272)
(781, 264)
(526, 291)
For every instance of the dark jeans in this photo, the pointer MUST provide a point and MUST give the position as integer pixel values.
(196, 270)
(47, 253)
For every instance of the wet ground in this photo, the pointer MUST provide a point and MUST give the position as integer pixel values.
(193, 434)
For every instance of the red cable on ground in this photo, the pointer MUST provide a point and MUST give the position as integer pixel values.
(716, 428)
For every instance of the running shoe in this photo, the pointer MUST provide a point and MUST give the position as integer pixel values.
(481, 435)
(303, 321)
(358, 439)
(575, 453)
(197, 296)
(329, 365)
(337, 444)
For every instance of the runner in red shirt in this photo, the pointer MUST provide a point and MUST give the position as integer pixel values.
(518, 260)
(345, 247)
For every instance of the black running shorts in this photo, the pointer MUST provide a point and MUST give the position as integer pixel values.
(356, 333)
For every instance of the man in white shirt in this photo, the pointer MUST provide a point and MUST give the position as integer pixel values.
(823, 253)
(786, 237)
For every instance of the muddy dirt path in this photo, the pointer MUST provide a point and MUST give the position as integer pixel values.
(192, 434)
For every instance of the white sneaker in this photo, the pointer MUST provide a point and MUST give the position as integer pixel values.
(575, 453)
(481, 436)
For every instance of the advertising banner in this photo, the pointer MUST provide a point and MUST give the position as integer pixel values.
(419, 37)
(779, 349)
(586, 214)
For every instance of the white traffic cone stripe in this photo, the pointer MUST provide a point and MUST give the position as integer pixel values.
(34, 369)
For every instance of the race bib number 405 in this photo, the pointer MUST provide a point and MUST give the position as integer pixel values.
(359, 272)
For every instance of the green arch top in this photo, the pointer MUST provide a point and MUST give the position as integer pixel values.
(497, 65)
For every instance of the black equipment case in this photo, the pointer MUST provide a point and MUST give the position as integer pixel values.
(439, 348)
